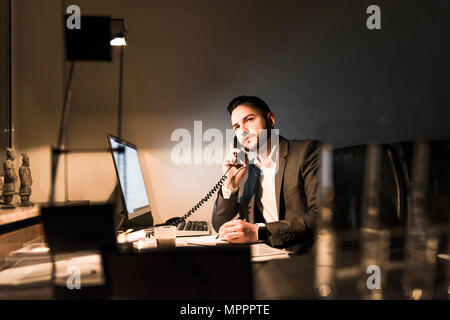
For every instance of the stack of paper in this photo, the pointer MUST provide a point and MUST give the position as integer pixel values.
(263, 252)
(259, 251)
(210, 240)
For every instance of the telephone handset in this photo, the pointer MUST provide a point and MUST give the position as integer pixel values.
(239, 163)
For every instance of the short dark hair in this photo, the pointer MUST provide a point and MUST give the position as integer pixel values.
(256, 102)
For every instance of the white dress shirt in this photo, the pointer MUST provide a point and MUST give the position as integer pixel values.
(265, 198)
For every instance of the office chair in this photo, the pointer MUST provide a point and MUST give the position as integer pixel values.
(439, 178)
(78, 228)
(349, 171)
(180, 273)
(437, 203)
(349, 182)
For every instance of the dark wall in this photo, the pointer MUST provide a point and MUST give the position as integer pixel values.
(324, 74)
(5, 81)
(360, 85)
(315, 62)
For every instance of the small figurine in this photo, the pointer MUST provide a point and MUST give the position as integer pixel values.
(9, 186)
(25, 180)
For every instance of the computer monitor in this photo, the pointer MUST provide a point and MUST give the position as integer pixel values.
(129, 174)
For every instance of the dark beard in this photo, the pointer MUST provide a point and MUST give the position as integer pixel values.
(261, 142)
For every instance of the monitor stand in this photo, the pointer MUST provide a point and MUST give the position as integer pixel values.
(141, 222)
(121, 220)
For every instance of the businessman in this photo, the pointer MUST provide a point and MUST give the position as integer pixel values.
(272, 198)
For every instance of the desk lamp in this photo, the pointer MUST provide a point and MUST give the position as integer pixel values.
(92, 42)
(118, 33)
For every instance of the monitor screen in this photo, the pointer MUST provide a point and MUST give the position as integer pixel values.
(129, 173)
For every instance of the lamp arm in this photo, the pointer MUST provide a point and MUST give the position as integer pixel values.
(119, 111)
(62, 132)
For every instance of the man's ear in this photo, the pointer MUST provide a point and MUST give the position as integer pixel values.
(270, 120)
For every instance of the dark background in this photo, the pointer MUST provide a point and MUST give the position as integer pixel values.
(324, 74)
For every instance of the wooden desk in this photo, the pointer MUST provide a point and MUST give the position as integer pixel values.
(10, 216)
(293, 279)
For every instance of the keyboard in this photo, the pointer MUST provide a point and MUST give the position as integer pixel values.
(193, 228)
(184, 229)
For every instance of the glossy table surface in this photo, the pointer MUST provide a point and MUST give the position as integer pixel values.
(293, 278)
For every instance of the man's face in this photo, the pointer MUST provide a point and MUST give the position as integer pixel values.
(247, 121)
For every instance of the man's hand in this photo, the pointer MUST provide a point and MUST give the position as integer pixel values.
(239, 231)
(234, 176)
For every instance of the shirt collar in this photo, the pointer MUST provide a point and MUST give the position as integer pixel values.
(269, 162)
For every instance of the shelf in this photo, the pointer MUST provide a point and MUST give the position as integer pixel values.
(8, 216)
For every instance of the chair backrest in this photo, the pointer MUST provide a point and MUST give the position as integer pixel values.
(78, 227)
(180, 273)
(438, 192)
(349, 171)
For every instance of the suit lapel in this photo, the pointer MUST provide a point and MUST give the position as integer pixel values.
(281, 163)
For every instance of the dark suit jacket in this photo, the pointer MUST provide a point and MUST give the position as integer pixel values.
(296, 195)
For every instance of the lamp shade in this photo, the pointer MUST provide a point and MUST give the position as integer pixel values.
(118, 32)
(91, 41)
(118, 41)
